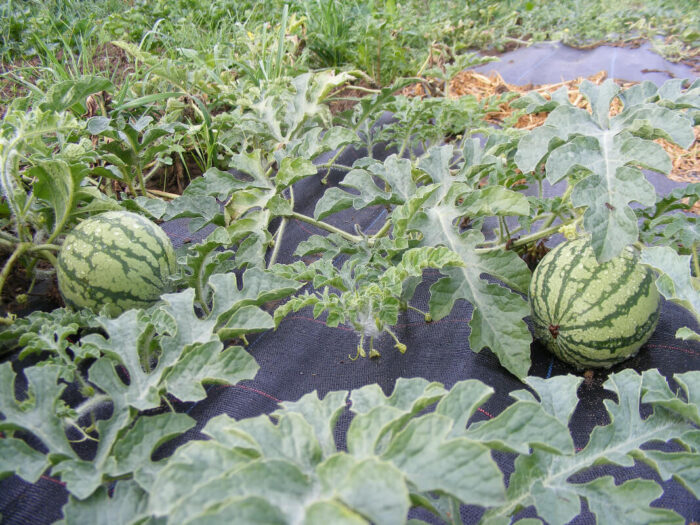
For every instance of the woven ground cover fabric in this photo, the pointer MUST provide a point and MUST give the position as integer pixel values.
(304, 355)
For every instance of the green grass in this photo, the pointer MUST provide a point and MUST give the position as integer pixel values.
(216, 48)
(384, 38)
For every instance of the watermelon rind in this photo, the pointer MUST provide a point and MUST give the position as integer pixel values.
(591, 314)
(115, 261)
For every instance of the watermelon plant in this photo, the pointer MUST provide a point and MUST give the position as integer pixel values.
(472, 212)
(429, 200)
(278, 468)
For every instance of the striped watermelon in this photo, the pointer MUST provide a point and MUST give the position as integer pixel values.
(115, 258)
(590, 314)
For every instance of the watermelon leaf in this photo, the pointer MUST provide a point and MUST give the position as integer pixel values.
(540, 478)
(317, 141)
(371, 288)
(58, 184)
(69, 93)
(611, 151)
(397, 187)
(497, 321)
(126, 505)
(169, 350)
(283, 116)
(675, 282)
(687, 334)
(612, 502)
(399, 455)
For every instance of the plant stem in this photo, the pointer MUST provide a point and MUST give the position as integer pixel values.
(527, 239)
(278, 242)
(142, 182)
(49, 257)
(455, 516)
(91, 403)
(426, 315)
(164, 194)
(326, 226)
(331, 162)
(695, 257)
(152, 171)
(365, 89)
(338, 167)
(130, 184)
(44, 247)
(199, 293)
(20, 250)
(167, 402)
(382, 231)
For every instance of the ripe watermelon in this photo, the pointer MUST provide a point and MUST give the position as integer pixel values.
(590, 314)
(115, 258)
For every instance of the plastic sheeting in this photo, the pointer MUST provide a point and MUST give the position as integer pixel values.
(552, 62)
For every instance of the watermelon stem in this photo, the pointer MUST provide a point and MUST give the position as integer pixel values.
(382, 231)
(142, 183)
(527, 239)
(170, 406)
(18, 252)
(554, 330)
(277, 241)
(88, 406)
(425, 315)
(325, 226)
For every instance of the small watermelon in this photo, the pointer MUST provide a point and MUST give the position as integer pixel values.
(592, 315)
(116, 258)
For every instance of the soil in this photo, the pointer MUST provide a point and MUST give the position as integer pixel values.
(9, 88)
(113, 61)
(174, 179)
(108, 60)
(347, 96)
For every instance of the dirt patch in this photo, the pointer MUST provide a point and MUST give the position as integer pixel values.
(108, 60)
(113, 61)
(346, 97)
(11, 80)
(170, 181)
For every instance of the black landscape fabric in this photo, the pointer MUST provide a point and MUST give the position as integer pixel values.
(304, 355)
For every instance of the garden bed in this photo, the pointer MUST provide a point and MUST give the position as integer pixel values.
(346, 336)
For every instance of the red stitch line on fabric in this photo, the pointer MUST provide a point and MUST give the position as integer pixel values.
(484, 412)
(686, 350)
(259, 392)
(53, 480)
(303, 227)
(255, 390)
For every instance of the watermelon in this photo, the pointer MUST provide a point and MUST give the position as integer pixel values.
(592, 315)
(117, 259)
